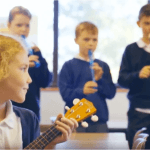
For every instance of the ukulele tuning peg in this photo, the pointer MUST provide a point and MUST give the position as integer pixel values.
(75, 101)
(67, 108)
(88, 111)
(94, 118)
(84, 124)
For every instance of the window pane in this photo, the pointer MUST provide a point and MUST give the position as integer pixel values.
(116, 20)
(41, 32)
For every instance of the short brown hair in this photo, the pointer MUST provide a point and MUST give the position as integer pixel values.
(144, 11)
(18, 10)
(9, 47)
(88, 26)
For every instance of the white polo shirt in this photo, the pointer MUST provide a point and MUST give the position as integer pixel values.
(10, 130)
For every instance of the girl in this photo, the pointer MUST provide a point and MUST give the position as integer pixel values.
(19, 126)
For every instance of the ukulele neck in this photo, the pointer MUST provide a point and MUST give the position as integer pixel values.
(43, 140)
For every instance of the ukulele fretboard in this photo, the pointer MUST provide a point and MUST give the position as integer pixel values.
(43, 140)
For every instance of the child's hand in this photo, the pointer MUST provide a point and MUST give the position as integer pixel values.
(33, 58)
(145, 72)
(35, 48)
(89, 87)
(66, 126)
(98, 71)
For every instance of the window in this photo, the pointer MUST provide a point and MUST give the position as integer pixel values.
(41, 32)
(116, 20)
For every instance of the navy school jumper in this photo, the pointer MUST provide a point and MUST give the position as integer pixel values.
(29, 124)
(74, 74)
(134, 59)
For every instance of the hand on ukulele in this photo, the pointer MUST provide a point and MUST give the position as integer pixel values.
(89, 87)
(145, 72)
(98, 71)
(33, 58)
(66, 126)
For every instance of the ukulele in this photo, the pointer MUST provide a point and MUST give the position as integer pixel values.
(81, 110)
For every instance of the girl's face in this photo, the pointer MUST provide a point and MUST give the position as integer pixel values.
(20, 25)
(15, 86)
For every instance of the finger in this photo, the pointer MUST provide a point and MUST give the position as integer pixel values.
(145, 73)
(65, 135)
(31, 64)
(59, 117)
(35, 48)
(91, 91)
(148, 66)
(68, 122)
(33, 56)
(95, 64)
(91, 86)
(64, 126)
(143, 76)
(75, 122)
(34, 59)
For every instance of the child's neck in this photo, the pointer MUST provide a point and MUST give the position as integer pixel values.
(85, 57)
(146, 40)
(3, 108)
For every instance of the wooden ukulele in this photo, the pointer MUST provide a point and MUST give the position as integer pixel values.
(81, 110)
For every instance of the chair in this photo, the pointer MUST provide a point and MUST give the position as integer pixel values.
(140, 139)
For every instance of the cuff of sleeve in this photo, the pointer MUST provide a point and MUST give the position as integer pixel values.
(100, 84)
(79, 91)
(38, 54)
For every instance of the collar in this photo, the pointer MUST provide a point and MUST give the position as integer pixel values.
(81, 58)
(141, 43)
(10, 116)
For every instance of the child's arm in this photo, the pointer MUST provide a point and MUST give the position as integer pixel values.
(126, 74)
(106, 87)
(66, 85)
(42, 75)
(66, 126)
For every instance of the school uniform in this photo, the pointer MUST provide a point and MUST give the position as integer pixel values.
(135, 57)
(19, 128)
(72, 78)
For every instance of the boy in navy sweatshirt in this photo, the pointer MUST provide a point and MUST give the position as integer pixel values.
(135, 75)
(20, 126)
(19, 24)
(75, 79)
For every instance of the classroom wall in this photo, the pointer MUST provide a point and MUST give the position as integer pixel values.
(52, 104)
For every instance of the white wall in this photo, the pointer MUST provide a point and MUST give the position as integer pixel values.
(52, 104)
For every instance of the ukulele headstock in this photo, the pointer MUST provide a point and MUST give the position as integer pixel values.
(82, 110)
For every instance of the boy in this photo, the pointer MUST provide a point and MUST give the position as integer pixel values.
(19, 126)
(19, 24)
(75, 79)
(134, 75)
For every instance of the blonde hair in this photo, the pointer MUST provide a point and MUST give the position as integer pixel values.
(88, 26)
(9, 47)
